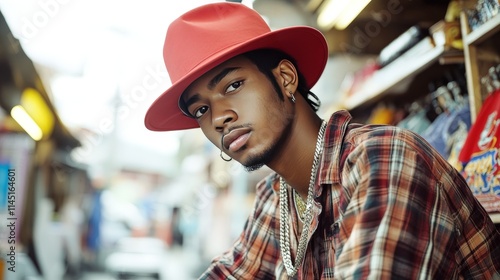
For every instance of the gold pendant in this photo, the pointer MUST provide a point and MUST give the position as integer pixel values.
(300, 205)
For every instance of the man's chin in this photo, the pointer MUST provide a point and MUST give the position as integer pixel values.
(255, 162)
(253, 167)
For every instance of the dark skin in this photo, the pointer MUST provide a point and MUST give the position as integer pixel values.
(239, 111)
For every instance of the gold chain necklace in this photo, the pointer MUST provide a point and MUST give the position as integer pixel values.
(291, 268)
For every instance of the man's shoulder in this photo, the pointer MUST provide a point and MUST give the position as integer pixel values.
(377, 132)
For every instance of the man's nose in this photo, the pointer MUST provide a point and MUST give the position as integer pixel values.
(222, 116)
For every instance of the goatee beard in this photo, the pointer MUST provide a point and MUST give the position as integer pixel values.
(256, 162)
(253, 167)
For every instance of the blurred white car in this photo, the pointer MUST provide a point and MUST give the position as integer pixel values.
(137, 256)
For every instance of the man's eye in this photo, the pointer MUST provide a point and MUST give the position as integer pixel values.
(199, 112)
(234, 86)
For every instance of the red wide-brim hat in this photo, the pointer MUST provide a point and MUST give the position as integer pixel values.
(208, 35)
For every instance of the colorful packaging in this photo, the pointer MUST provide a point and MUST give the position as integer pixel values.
(480, 157)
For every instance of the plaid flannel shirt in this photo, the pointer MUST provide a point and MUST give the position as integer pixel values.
(387, 206)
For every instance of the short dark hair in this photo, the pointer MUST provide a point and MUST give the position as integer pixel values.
(268, 59)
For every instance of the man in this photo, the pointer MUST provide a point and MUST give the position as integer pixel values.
(346, 200)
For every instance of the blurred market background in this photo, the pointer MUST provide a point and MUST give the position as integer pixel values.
(96, 194)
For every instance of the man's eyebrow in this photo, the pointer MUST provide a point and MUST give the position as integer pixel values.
(215, 80)
(185, 104)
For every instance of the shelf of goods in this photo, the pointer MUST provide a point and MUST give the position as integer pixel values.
(477, 48)
(480, 52)
(398, 73)
(483, 32)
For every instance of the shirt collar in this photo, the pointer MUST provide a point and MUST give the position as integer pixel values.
(332, 147)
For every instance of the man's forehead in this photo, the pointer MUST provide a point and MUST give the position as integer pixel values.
(237, 61)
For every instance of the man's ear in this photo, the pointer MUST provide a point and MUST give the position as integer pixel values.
(286, 76)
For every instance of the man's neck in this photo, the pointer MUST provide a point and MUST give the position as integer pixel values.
(295, 159)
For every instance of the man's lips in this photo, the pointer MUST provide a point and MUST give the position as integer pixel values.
(234, 140)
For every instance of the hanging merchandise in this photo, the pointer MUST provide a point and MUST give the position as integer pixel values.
(447, 131)
(422, 113)
(416, 120)
(480, 153)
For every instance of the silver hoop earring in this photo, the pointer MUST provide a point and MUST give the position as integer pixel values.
(223, 158)
(293, 97)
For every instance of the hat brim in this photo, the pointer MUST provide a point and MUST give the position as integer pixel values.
(164, 114)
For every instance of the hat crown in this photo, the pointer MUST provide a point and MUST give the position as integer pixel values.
(205, 31)
(208, 35)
